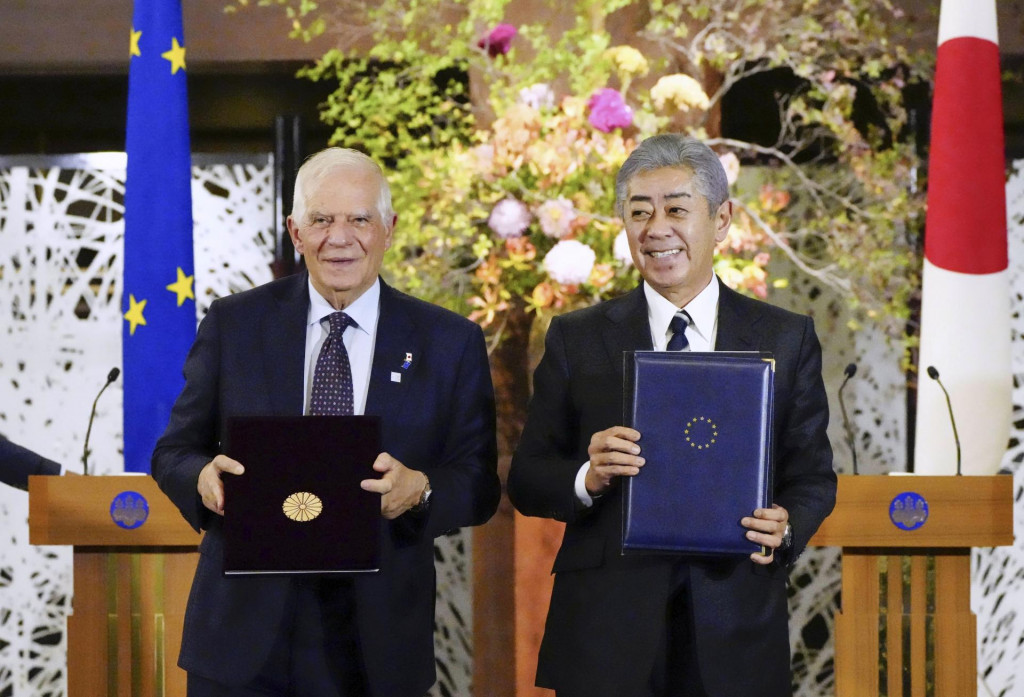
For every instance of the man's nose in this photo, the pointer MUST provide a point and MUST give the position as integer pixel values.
(657, 226)
(339, 234)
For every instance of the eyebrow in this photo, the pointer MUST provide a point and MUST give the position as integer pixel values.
(673, 195)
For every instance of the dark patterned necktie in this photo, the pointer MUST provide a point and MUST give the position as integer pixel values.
(332, 379)
(678, 325)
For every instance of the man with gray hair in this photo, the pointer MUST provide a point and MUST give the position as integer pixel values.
(663, 625)
(334, 339)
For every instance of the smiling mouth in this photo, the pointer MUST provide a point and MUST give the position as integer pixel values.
(666, 253)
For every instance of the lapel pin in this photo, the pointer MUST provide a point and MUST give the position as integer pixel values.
(408, 361)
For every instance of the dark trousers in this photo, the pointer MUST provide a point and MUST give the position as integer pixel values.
(316, 651)
(676, 671)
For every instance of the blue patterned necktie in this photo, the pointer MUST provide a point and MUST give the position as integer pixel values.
(678, 325)
(332, 379)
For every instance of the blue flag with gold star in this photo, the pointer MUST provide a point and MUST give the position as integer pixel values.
(158, 300)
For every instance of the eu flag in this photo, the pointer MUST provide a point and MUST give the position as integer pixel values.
(158, 300)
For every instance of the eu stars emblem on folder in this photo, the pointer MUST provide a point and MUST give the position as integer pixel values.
(705, 421)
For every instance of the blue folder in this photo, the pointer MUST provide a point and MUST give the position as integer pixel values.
(705, 421)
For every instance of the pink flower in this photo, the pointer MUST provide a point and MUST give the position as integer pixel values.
(537, 96)
(608, 110)
(556, 216)
(509, 218)
(498, 41)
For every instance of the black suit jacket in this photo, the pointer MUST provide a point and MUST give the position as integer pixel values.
(607, 617)
(17, 463)
(248, 360)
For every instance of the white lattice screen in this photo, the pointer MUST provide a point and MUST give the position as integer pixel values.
(60, 328)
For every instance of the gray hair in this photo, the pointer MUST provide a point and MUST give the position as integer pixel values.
(319, 165)
(679, 151)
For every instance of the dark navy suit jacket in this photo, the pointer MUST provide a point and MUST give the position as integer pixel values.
(17, 463)
(608, 614)
(248, 360)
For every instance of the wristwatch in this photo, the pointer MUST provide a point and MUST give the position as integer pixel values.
(424, 502)
(787, 538)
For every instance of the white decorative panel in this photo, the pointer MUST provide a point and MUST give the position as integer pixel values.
(997, 592)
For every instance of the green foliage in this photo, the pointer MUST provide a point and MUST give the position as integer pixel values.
(460, 130)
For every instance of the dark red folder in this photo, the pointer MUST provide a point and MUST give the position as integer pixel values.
(299, 508)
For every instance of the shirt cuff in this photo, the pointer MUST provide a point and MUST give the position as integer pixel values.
(581, 486)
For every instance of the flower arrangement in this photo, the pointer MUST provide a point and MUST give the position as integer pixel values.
(504, 181)
(544, 176)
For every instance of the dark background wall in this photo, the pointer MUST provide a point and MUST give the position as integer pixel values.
(63, 74)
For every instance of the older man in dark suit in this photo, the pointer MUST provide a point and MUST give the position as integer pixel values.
(663, 625)
(266, 352)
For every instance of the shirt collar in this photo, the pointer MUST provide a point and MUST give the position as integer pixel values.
(703, 310)
(364, 310)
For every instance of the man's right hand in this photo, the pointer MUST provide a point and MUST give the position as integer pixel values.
(210, 486)
(613, 453)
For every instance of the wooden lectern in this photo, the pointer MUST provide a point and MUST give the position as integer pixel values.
(130, 585)
(906, 626)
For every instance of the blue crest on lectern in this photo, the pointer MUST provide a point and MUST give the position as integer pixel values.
(908, 511)
(129, 509)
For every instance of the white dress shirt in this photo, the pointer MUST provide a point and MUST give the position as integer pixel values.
(700, 332)
(359, 341)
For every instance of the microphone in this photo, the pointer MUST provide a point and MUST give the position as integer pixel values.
(934, 375)
(111, 376)
(850, 371)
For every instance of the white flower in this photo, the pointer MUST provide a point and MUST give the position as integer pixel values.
(509, 218)
(570, 262)
(620, 248)
(556, 216)
(538, 96)
(731, 165)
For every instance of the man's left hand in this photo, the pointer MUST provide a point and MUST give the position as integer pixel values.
(399, 486)
(766, 527)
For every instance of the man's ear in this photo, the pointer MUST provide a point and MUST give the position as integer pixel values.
(389, 236)
(293, 232)
(723, 221)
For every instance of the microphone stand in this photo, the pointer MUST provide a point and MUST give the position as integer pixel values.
(850, 371)
(934, 375)
(111, 376)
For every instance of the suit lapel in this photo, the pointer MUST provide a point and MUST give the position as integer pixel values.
(628, 328)
(389, 381)
(283, 336)
(736, 326)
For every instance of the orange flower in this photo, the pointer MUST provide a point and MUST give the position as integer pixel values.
(772, 199)
(520, 249)
(601, 275)
(489, 272)
(543, 294)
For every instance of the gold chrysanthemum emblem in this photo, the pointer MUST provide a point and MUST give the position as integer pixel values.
(302, 506)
